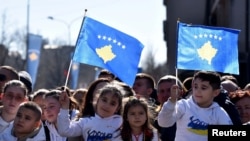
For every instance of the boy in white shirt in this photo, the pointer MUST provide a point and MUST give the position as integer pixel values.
(193, 115)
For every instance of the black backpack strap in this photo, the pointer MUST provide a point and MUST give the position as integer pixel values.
(46, 130)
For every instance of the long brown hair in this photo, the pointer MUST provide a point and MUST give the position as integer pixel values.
(147, 128)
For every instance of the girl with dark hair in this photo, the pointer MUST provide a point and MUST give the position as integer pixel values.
(136, 121)
(104, 125)
(92, 96)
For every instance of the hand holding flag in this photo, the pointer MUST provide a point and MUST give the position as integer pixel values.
(106, 47)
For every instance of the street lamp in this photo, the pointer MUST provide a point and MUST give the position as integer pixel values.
(27, 28)
(68, 25)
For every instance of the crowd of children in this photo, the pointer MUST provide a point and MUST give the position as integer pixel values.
(169, 110)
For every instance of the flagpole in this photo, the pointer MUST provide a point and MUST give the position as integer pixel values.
(176, 81)
(71, 61)
(176, 69)
(27, 32)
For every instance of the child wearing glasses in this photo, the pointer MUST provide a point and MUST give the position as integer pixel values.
(14, 93)
(27, 124)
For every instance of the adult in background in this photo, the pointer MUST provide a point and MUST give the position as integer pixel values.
(27, 81)
(144, 86)
(193, 115)
(163, 92)
(7, 73)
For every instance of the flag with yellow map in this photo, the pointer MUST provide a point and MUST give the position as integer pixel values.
(207, 48)
(106, 47)
(33, 57)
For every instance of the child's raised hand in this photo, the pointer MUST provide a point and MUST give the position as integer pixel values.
(175, 93)
(64, 100)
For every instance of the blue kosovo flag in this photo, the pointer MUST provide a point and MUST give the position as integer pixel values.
(103, 46)
(207, 48)
(34, 49)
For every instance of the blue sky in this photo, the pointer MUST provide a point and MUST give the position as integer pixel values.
(141, 19)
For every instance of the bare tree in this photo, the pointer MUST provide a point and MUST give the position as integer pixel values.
(151, 67)
(3, 31)
(59, 42)
(10, 35)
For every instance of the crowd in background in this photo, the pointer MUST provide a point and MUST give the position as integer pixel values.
(109, 109)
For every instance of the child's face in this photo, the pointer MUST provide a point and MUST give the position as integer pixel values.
(25, 122)
(136, 116)
(51, 109)
(12, 98)
(243, 106)
(107, 105)
(203, 93)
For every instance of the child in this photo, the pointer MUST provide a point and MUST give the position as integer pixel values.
(14, 93)
(193, 115)
(136, 124)
(27, 124)
(104, 125)
(73, 111)
(92, 96)
(51, 110)
(37, 97)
